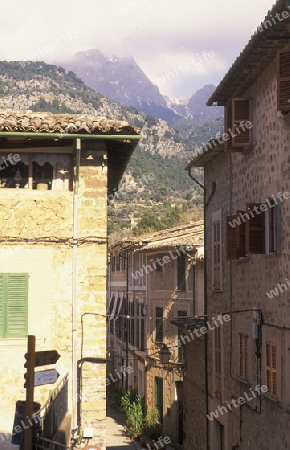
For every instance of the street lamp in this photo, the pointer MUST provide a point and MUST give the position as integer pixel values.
(164, 355)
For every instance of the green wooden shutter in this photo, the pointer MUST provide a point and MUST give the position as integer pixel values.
(2, 305)
(13, 301)
(158, 391)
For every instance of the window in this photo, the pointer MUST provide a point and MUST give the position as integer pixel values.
(253, 231)
(244, 356)
(123, 261)
(283, 78)
(218, 363)
(271, 368)
(36, 171)
(132, 323)
(181, 272)
(181, 348)
(158, 266)
(238, 123)
(158, 397)
(216, 252)
(159, 324)
(13, 305)
(141, 327)
(117, 262)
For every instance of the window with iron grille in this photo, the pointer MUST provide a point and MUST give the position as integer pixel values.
(271, 368)
(244, 356)
(13, 305)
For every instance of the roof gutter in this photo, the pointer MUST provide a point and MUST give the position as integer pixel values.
(60, 135)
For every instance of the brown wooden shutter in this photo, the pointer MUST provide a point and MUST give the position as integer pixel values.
(283, 81)
(229, 126)
(255, 229)
(217, 255)
(271, 368)
(242, 236)
(241, 113)
(232, 237)
(244, 357)
(236, 245)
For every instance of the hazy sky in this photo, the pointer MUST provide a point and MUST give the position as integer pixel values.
(180, 44)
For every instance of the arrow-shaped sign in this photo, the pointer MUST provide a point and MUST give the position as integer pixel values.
(46, 357)
(45, 377)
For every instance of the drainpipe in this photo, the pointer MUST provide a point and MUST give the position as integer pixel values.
(205, 204)
(74, 285)
(127, 324)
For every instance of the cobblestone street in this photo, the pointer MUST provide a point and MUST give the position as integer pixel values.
(116, 439)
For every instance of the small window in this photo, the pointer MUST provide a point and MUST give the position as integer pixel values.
(244, 356)
(36, 171)
(181, 272)
(253, 230)
(271, 368)
(13, 305)
(159, 324)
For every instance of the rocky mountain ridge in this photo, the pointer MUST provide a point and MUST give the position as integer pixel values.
(122, 80)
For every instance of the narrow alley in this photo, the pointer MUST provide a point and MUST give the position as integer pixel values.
(116, 439)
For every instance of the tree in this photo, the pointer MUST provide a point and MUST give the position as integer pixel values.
(149, 222)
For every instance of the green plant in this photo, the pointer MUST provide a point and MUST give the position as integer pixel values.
(136, 417)
(152, 427)
(132, 405)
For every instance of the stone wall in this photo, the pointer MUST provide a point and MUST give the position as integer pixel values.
(49, 214)
(241, 179)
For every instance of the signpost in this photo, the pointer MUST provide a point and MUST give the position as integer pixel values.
(32, 378)
(29, 376)
(46, 357)
(45, 377)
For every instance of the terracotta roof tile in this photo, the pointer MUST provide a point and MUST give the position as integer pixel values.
(190, 234)
(45, 122)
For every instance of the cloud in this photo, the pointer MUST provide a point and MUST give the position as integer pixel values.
(159, 34)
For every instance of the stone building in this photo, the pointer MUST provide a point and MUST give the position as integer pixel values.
(247, 246)
(155, 278)
(56, 172)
